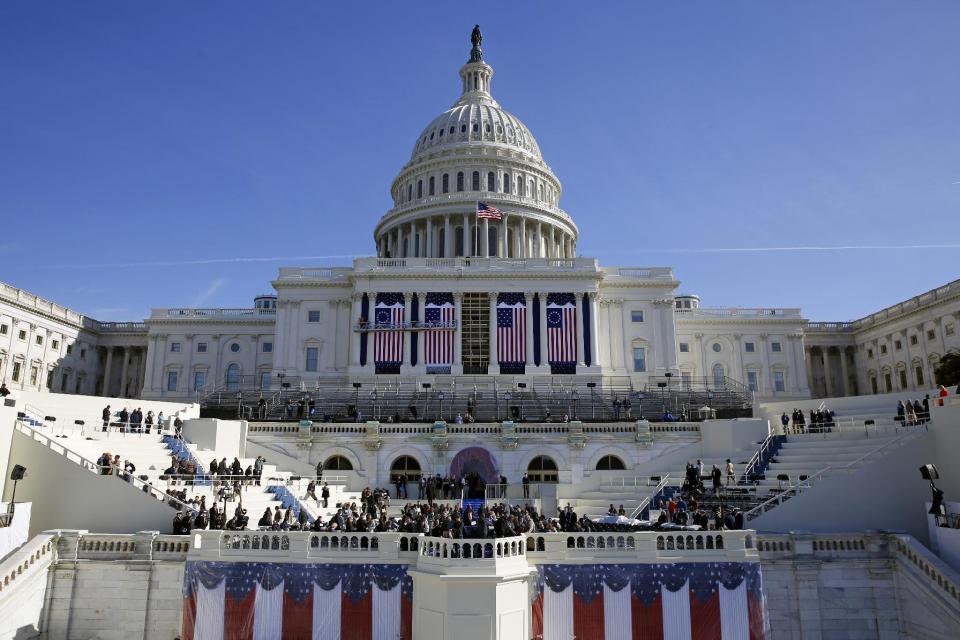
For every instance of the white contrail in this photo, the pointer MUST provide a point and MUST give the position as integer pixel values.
(852, 247)
(188, 263)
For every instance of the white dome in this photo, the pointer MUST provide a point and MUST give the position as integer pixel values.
(472, 122)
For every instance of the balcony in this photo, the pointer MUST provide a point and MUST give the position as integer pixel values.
(239, 314)
(468, 199)
(765, 313)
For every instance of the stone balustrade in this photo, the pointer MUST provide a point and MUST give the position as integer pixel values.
(35, 555)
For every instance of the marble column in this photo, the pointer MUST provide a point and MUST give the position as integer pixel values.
(808, 365)
(457, 368)
(523, 239)
(502, 249)
(493, 368)
(428, 240)
(107, 371)
(594, 356)
(542, 338)
(844, 371)
(485, 240)
(828, 378)
(578, 316)
(407, 307)
(355, 336)
(447, 237)
(538, 247)
(528, 337)
(552, 251)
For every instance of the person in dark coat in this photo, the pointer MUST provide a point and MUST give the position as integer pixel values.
(325, 494)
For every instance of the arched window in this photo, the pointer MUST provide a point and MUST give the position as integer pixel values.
(446, 183)
(610, 463)
(543, 469)
(233, 377)
(442, 242)
(539, 192)
(532, 189)
(491, 182)
(409, 192)
(506, 183)
(459, 180)
(492, 241)
(419, 188)
(337, 463)
(433, 180)
(476, 181)
(718, 376)
(406, 466)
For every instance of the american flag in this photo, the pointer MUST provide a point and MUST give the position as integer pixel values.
(439, 311)
(561, 329)
(388, 344)
(511, 328)
(486, 211)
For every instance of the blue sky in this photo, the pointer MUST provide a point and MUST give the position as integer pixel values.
(162, 134)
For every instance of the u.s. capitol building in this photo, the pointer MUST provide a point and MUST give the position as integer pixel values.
(451, 292)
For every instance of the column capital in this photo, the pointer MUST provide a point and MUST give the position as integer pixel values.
(458, 296)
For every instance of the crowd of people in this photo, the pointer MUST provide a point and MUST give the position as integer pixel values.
(136, 422)
(820, 420)
(913, 412)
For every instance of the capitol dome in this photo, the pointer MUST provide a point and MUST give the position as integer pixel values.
(474, 152)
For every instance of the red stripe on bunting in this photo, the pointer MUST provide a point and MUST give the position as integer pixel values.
(705, 617)
(238, 617)
(647, 622)
(406, 618)
(755, 613)
(298, 618)
(588, 618)
(189, 617)
(538, 616)
(356, 618)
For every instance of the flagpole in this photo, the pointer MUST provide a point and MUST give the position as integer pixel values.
(476, 230)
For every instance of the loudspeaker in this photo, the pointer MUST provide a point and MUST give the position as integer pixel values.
(929, 472)
(19, 472)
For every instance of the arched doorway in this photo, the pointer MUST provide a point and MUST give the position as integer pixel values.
(475, 460)
(718, 376)
(610, 463)
(407, 466)
(337, 463)
(543, 469)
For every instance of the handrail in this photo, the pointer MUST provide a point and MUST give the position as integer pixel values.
(93, 467)
(800, 485)
(95, 423)
(38, 552)
(649, 499)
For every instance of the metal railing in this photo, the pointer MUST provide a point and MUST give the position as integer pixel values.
(646, 502)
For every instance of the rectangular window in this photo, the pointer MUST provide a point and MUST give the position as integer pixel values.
(636, 315)
(4, 329)
(931, 334)
(268, 347)
(199, 380)
(201, 347)
(919, 372)
(873, 385)
(914, 340)
(39, 340)
(639, 359)
(265, 380)
(889, 382)
(748, 347)
(83, 354)
(55, 344)
(883, 349)
(948, 329)
(898, 345)
(903, 378)
(775, 347)
(779, 381)
(22, 335)
(752, 381)
(171, 380)
(69, 349)
(16, 371)
(313, 316)
(684, 347)
(34, 374)
(869, 353)
(312, 353)
(175, 347)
